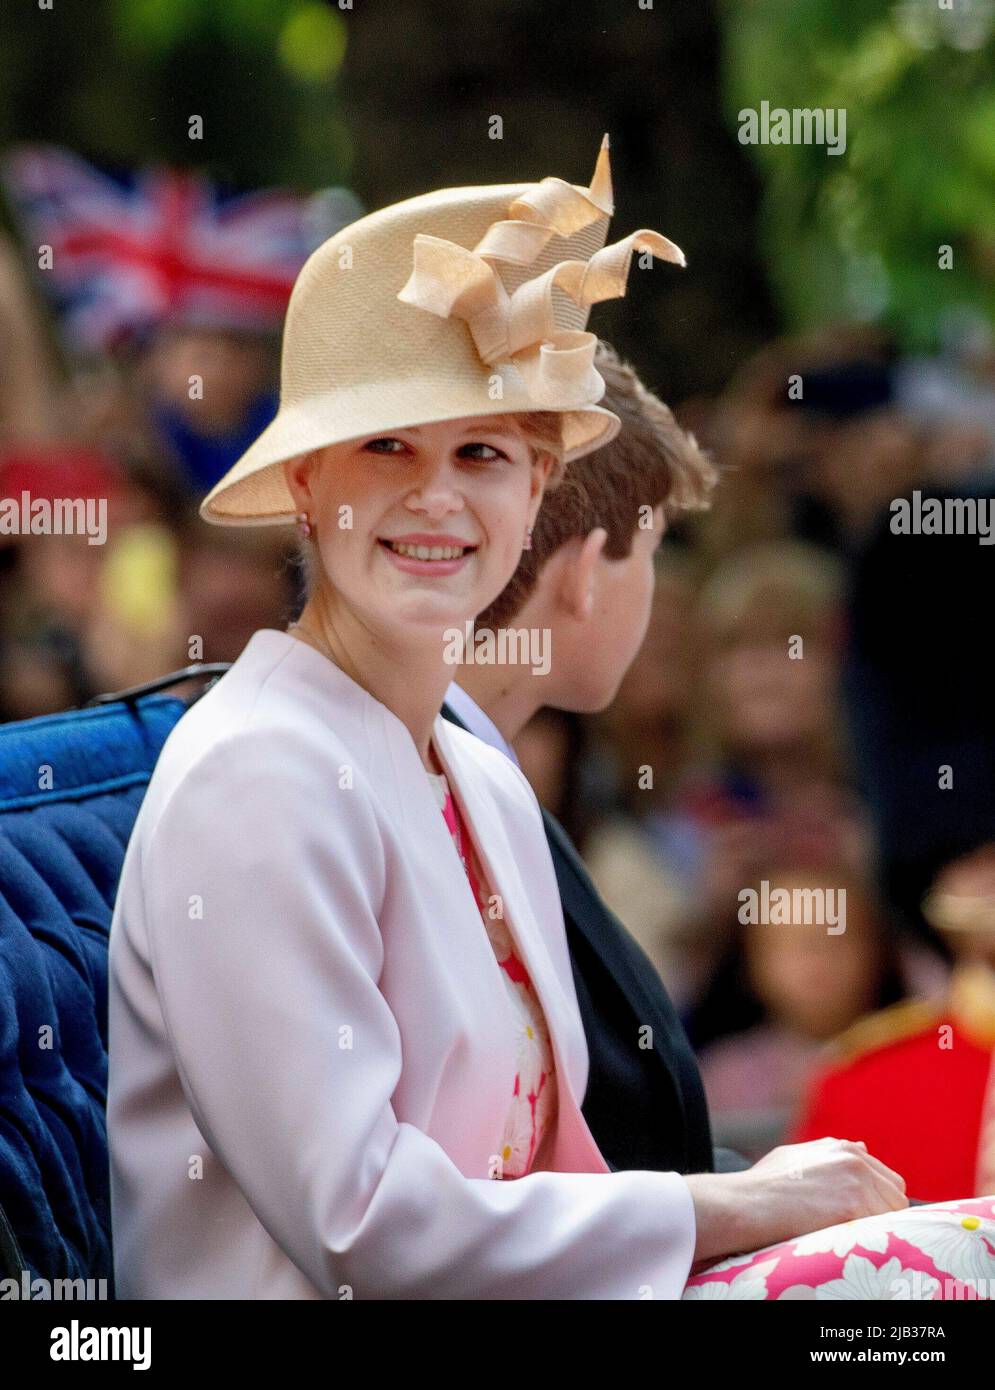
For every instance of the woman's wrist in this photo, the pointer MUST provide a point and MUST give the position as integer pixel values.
(724, 1223)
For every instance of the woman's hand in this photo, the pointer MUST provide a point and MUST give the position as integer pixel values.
(794, 1189)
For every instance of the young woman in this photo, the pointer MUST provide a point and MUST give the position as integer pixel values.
(346, 1058)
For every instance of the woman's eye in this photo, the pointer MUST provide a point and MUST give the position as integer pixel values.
(388, 444)
(385, 445)
(483, 452)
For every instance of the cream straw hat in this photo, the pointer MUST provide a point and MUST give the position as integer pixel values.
(462, 302)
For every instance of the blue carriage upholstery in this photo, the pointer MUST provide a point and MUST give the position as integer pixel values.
(70, 788)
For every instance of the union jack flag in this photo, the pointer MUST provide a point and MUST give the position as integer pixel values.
(133, 251)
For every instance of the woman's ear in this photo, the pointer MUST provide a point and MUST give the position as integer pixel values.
(542, 466)
(297, 472)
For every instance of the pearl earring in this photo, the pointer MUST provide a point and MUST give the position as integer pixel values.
(528, 538)
(304, 524)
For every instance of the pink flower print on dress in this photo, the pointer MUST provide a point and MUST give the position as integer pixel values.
(533, 1103)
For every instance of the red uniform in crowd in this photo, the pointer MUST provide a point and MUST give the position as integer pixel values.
(916, 1082)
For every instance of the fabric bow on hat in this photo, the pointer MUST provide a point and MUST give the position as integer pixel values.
(556, 364)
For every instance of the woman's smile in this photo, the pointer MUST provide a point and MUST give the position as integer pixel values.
(425, 553)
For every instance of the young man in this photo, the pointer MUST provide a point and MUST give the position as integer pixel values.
(587, 585)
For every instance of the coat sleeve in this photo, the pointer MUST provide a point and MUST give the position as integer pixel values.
(288, 1055)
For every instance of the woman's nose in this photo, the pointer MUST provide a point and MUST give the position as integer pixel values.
(436, 489)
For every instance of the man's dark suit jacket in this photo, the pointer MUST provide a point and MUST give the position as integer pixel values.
(645, 1106)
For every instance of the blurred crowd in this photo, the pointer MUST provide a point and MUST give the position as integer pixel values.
(820, 769)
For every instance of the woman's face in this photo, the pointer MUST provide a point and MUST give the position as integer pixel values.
(423, 526)
(765, 700)
(814, 982)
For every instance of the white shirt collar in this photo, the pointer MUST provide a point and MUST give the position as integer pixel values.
(477, 721)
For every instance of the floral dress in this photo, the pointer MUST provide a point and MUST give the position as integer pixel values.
(530, 1124)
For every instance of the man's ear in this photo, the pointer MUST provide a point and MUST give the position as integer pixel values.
(579, 574)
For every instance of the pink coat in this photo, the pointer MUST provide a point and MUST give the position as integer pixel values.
(311, 1052)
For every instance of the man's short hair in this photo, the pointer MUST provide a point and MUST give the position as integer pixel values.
(650, 461)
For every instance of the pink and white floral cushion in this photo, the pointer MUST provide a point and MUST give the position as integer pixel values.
(942, 1251)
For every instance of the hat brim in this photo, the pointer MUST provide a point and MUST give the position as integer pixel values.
(254, 491)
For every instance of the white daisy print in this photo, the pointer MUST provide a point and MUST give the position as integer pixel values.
(751, 1284)
(959, 1244)
(860, 1281)
(869, 1232)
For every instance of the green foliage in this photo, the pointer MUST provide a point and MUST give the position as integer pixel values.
(123, 77)
(859, 233)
